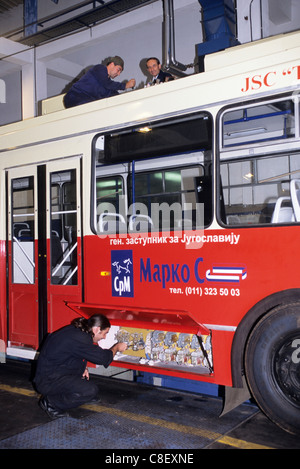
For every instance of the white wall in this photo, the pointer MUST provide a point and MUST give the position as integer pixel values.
(134, 36)
(11, 111)
(257, 19)
(47, 69)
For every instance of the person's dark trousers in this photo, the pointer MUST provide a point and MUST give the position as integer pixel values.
(72, 99)
(68, 392)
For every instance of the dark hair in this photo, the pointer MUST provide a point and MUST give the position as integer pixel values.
(117, 61)
(86, 325)
(153, 58)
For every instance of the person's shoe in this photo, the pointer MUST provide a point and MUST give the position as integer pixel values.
(96, 400)
(51, 411)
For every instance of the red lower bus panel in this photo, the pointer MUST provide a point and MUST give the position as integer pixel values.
(3, 335)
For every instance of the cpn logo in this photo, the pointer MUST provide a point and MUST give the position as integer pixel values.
(122, 273)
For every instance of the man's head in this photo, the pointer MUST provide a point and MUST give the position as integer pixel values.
(115, 66)
(99, 326)
(153, 66)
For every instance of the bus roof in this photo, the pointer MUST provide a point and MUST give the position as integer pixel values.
(272, 64)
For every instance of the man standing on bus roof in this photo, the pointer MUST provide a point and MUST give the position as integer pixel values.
(98, 83)
(154, 68)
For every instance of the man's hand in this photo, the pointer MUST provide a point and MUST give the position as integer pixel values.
(118, 347)
(130, 84)
(86, 374)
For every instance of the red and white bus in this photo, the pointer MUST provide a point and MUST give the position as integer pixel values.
(173, 210)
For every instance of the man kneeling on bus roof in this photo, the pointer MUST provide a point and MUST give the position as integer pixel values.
(98, 83)
(61, 375)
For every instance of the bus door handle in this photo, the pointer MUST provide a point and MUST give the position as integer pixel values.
(133, 217)
(109, 214)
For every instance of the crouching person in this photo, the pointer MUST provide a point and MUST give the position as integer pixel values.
(61, 375)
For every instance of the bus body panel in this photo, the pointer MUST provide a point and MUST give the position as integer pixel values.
(183, 279)
(58, 313)
(167, 276)
(190, 303)
(23, 317)
(3, 320)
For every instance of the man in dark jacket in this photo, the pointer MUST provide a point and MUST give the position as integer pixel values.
(98, 83)
(62, 376)
(154, 68)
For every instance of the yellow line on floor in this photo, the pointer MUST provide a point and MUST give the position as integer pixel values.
(217, 437)
(24, 392)
(201, 432)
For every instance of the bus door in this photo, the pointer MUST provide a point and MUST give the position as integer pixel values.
(23, 257)
(44, 246)
(63, 240)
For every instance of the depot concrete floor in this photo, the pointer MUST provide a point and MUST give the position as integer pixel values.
(131, 416)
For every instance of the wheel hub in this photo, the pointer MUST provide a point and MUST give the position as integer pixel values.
(287, 369)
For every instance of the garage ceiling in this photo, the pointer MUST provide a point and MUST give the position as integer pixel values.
(93, 14)
(6, 5)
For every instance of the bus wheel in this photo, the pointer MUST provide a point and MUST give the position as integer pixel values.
(272, 365)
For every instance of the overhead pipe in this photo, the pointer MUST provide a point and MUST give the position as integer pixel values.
(170, 63)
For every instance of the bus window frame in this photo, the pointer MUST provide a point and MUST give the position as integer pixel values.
(163, 169)
(113, 165)
(29, 232)
(146, 166)
(250, 151)
(294, 97)
(64, 209)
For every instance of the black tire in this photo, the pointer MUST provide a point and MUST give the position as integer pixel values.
(272, 365)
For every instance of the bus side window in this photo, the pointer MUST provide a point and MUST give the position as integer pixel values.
(161, 199)
(257, 166)
(172, 198)
(270, 121)
(23, 248)
(110, 205)
(63, 228)
(151, 186)
(258, 190)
